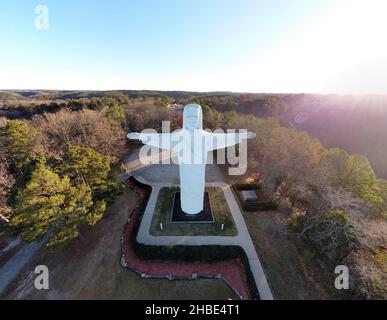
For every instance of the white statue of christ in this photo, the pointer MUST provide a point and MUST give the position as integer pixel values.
(191, 145)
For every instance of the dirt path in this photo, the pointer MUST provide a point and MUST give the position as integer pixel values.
(90, 269)
(10, 270)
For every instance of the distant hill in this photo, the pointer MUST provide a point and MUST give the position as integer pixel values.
(64, 95)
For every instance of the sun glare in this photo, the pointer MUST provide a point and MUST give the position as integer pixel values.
(350, 37)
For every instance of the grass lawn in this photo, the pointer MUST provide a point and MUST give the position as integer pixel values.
(221, 212)
(89, 268)
(292, 270)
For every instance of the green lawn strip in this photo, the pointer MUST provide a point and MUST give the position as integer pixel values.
(221, 212)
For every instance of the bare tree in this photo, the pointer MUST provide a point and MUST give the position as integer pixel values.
(6, 182)
(86, 128)
(3, 121)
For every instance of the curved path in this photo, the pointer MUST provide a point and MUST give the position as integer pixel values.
(243, 238)
(160, 176)
(231, 271)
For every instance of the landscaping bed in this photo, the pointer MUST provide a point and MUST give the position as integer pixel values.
(228, 263)
(220, 209)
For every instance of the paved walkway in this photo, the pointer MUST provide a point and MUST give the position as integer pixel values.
(15, 264)
(135, 161)
(243, 238)
(158, 177)
(232, 271)
(155, 172)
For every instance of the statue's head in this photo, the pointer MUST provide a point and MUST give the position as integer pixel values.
(192, 117)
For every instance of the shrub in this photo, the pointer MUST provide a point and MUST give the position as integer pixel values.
(330, 233)
(247, 186)
(260, 206)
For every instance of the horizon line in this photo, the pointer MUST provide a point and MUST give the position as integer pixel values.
(205, 91)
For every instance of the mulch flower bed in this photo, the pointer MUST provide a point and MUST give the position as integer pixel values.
(178, 215)
(230, 271)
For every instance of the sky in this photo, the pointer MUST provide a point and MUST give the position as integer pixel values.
(278, 46)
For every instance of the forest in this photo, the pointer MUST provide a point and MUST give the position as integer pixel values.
(321, 158)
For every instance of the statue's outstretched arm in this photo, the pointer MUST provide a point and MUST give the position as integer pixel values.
(225, 140)
(158, 140)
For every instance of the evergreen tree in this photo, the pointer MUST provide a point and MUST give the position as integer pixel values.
(333, 166)
(360, 178)
(115, 113)
(19, 142)
(84, 165)
(381, 207)
(23, 179)
(162, 101)
(50, 205)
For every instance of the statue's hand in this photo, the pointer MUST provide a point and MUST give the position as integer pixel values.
(251, 135)
(133, 136)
